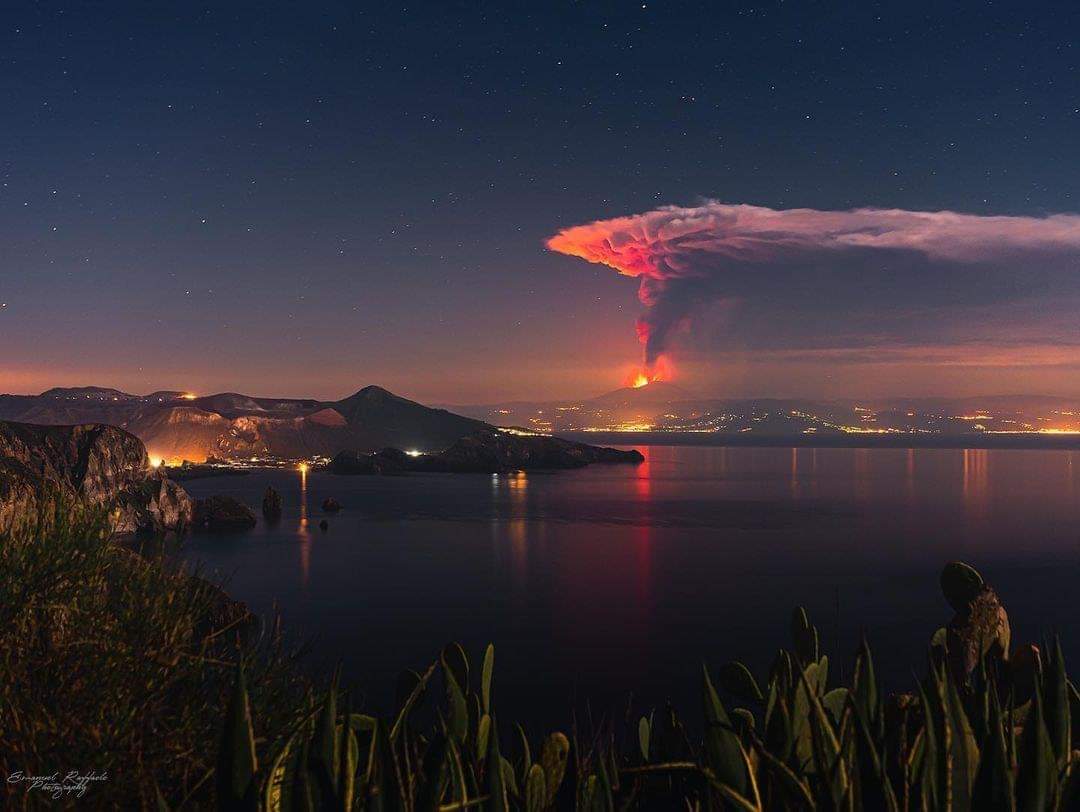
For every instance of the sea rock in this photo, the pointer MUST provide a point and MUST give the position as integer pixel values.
(223, 513)
(980, 625)
(271, 504)
(169, 504)
(331, 505)
(91, 465)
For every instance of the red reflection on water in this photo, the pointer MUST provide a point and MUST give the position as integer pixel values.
(643, 534)
(795, 490)
(643, 557)
(643, 477)
(909, 480)
(863, 481)
(519, 551)
(976, 484)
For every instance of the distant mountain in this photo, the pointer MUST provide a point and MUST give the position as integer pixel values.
(174, 426)
(87, 393)
(653, 393)
(663, 407)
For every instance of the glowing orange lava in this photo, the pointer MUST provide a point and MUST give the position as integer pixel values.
(660, 370)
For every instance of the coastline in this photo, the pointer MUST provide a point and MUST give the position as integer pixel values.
(1028, 442)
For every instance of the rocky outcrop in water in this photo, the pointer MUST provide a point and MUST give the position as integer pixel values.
(271, 504)
(498, 451)
(92, 465)
(488, 451)
(222, 514)
(387, 461)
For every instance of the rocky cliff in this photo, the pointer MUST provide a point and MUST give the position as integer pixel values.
(93, 465)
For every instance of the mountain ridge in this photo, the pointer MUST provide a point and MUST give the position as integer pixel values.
(232, 425)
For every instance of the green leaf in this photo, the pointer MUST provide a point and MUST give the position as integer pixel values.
(535, 790)
(1058, 717)
(742, 801)
(795, 792)
(805, 636)
(482, 733)
(411, 700)
(722, 748)
(454, 660)
(388, 795)
(1037, 771)
(485, 678)
(743, 721)
(834, 702)
(778, 734)
(348, 752)
(526, 753)
(275, 779)
(496, 788)
(300, 790)
(458, 705)
(434, 774)
(865, 684)
(509, 779)
(875, 788)
(736, 679)
(643, 738)
(965, 750)
(993, 787)
(323, 754)
(236, 765)
(553, 757)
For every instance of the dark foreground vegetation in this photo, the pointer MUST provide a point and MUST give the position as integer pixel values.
(121, 664)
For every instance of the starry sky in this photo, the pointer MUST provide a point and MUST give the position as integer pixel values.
(303, 199)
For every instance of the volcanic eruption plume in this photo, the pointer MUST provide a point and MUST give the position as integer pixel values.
(685, 257)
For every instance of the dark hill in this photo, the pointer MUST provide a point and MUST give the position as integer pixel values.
(378, 418)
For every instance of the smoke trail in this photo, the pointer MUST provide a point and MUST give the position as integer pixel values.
(686, 256)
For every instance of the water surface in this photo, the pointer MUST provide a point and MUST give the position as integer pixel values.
(617, 580)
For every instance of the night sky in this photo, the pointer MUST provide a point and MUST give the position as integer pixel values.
(302, 199)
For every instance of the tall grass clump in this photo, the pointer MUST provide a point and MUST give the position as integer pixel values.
(119, 663)
(999, 738)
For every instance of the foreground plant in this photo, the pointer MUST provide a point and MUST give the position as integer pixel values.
(998, 737)
(120, 663)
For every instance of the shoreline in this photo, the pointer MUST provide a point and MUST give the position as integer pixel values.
(1019, 442)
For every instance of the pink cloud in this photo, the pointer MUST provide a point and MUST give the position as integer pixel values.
(678, 244)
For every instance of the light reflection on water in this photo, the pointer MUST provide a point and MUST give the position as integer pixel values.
(612, 579)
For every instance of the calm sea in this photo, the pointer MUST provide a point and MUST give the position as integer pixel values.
(615, 582)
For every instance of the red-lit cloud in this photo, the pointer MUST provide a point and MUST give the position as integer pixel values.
(682, 254)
